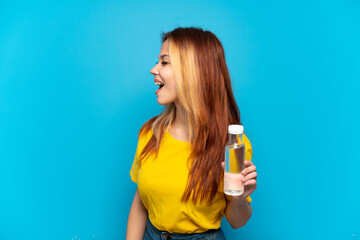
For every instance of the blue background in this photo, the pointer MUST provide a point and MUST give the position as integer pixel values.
(75, 88)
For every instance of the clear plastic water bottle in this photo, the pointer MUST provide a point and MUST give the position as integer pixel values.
(234, 161)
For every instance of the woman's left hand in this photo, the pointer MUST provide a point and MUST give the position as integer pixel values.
(248, 178)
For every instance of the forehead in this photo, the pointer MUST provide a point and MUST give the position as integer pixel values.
(164, 51)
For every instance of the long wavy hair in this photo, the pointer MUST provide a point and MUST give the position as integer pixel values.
(204, 90)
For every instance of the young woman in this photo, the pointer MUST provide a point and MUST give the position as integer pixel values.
(178, 165)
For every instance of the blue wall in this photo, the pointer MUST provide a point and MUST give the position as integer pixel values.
(75, 88)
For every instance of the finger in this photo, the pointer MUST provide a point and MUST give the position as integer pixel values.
(252, 175)
(247, 170)
(250, 182)
(248, 163)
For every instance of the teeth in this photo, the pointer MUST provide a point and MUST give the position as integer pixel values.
(158, 83)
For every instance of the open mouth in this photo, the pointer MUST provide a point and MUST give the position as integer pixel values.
(159, 84)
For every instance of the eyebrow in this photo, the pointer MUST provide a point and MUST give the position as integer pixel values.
(164, 55)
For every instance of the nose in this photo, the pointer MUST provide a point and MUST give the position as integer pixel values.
(154, 70)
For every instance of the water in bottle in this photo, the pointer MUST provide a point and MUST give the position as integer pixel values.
(234, 161)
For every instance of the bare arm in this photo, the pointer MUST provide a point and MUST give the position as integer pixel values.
(137, 219)
(238, 211)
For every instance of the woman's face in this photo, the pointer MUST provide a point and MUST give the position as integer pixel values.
(164, 77)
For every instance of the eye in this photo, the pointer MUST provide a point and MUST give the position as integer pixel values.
(162, 63)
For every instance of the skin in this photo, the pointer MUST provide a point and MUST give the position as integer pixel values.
(238, 211)
(163, 72)
(137, 219)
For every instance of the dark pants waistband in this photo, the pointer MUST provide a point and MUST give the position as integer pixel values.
(152, 233)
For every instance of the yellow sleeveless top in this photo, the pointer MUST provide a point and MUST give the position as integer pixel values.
(161, 183)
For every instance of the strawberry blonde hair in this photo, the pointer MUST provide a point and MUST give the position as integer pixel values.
(204, 90)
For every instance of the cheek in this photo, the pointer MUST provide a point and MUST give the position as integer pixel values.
(171, 85)
(166, 74)
(168, 77)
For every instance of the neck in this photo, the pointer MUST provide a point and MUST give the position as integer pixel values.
(179, 128)
(180, 118)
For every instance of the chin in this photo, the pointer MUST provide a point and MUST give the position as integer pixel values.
(166, 100)
(162, 102)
